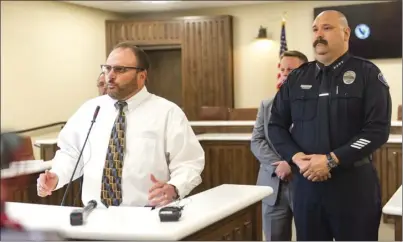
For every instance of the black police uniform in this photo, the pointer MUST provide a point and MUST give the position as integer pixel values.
(343, 108)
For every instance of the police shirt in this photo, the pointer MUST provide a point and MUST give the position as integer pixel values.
(343, 108)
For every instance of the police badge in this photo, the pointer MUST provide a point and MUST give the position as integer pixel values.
(349, 77)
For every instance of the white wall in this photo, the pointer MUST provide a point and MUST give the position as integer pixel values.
(51, 53)
(50, 57)
(255, 63)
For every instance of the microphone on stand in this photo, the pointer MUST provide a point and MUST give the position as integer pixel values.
(79, 216)
(81, 153)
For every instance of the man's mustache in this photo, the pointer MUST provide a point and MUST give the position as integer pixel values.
(320, 41)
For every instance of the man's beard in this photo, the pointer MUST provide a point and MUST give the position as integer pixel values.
(120, 92)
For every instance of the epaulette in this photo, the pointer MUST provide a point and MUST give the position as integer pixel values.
(301, 68)
(370, 64)
(360, 58)
(306, 64)
(298, 70)
(364, 60)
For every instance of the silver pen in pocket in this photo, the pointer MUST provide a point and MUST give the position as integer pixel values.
(337, 90)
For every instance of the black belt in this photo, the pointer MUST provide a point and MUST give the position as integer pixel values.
(362, 162)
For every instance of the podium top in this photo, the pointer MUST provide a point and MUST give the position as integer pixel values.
(131, 223)
(394, 205)
(20, 168)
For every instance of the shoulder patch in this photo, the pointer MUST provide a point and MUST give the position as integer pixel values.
(382, 79)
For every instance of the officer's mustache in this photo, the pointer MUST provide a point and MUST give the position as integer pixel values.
(320, 40)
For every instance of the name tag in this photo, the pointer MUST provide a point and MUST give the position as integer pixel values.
(306, 87)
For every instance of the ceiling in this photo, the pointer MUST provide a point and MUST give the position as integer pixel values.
(155, 6)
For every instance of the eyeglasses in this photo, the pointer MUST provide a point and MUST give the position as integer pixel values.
(119, 69)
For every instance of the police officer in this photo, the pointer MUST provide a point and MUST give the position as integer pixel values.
(340, 108)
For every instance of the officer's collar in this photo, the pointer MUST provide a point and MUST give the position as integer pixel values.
(335, 66)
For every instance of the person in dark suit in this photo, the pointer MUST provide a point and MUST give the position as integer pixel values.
(274, 172)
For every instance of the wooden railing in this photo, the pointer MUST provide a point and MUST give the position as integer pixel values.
(216, 113)
(41, 127)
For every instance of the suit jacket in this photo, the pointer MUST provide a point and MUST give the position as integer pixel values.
(264, 151)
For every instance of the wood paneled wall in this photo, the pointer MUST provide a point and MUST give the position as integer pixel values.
(167, 32)
(206, 54)
(226, 113)
(388, 164)
(207, 63)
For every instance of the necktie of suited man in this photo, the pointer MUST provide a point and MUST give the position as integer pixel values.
(111, 191)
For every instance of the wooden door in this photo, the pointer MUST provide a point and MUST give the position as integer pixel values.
(207, 63)
(143, 32)
(165, 74)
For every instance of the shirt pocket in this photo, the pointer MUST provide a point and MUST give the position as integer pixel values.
(140, 155)
(350, 100)
(304, 105)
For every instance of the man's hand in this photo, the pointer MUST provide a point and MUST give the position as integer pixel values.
(161, 193)
(301, 160)
(283, 170)
(46, 183)
(317, 170)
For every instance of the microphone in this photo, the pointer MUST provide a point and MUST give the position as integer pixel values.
(94, 117)
(79, 216)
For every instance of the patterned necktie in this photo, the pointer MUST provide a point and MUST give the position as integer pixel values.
(111, 191)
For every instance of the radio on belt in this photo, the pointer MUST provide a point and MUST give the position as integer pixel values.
(170, 214)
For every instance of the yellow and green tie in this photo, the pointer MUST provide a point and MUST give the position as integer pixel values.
(111, 191)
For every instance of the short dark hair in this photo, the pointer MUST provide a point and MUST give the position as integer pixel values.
(100, 74)
(143, 61)
(99, 78)
(295, 53)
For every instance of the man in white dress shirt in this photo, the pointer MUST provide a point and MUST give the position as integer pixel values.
(156, 157)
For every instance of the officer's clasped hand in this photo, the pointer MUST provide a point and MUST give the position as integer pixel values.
(317, 169)
(313, 167)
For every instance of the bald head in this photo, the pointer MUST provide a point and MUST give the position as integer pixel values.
(331, 36)
(335, 15)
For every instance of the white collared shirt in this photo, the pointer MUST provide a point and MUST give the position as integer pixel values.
(159, 141)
